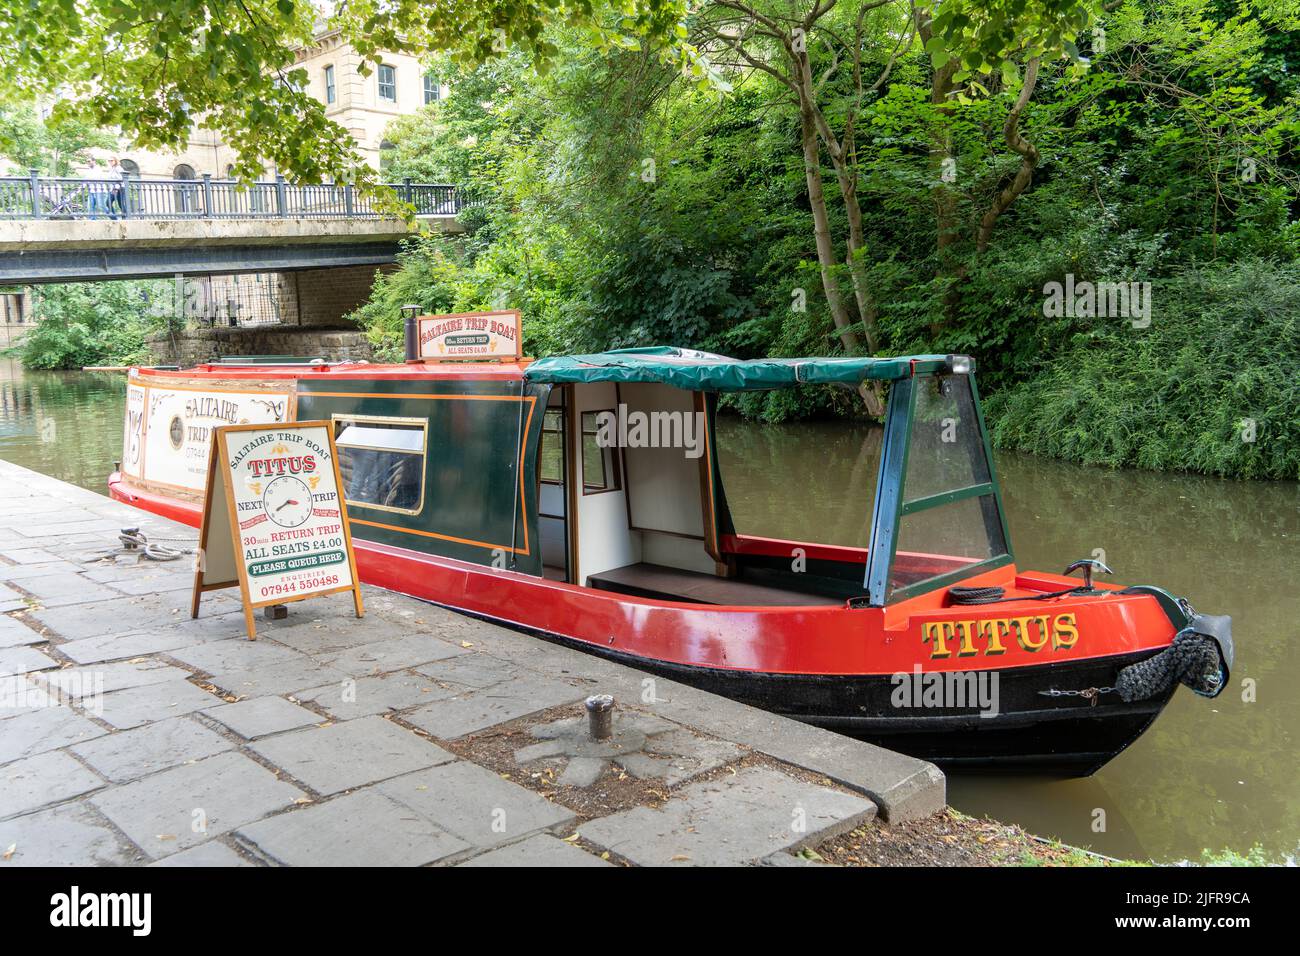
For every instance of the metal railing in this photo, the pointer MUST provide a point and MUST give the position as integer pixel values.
(39, 197)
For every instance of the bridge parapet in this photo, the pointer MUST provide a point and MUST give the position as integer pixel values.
(38, 197)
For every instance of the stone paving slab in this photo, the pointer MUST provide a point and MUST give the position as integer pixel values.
(326, 758)
(212, 853)
(476, 671)
(216, 657)
(392, 654)
(135, 753)
(73, 834)
(733, 820)
(475, 804)
(120, 646)
(118, 676)
(287, 677)
(42, 729)
(29, 555)
(20, 694)
(338, 833)
(219, 794)
(24, 660)
(351, 698)
(262, 716)
(476, 710)
(14, 633)
(123, 615)
(19, 573)
(39, 781)
(537, 851)
(11, 600)
(129, 708)
(68, 587)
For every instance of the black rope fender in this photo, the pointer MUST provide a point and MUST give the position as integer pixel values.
(1192, 659)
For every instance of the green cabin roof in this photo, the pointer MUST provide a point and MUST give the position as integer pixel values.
(706, 372)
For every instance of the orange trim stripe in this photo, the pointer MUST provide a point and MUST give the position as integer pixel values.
(523, 445)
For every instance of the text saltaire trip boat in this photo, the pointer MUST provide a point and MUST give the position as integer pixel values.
(581, 499)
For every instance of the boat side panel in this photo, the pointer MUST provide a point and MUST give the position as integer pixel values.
(479, 498)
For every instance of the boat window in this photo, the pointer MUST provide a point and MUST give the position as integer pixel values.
(599, 464)
(951, 519)
(551, 468)
(381, 461)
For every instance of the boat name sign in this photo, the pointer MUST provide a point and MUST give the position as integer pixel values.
(470, 335)
(1031, 633)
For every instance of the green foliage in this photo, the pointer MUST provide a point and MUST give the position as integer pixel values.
(427, 276)
(1255, 856)
(29, 142)
(1209, 386)
(618, 206)
(155, 68)
(104, 323)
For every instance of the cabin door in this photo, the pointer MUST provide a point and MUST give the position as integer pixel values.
(599, 532)
(554, 468)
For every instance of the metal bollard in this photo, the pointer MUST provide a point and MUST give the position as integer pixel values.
(600, 716)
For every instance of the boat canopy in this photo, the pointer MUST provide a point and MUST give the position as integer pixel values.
(706, 372)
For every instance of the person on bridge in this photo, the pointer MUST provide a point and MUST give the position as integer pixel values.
(120, 178)
(97, 191)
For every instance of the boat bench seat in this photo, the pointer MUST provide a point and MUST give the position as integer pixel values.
(674, 584)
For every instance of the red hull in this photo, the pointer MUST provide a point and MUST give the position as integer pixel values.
(833, 640)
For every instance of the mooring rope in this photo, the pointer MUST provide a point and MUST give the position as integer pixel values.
(134, 541)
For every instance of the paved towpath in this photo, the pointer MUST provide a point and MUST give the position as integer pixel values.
(132, 735)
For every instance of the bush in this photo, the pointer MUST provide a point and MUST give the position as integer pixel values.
(84, 323)
(1210, 386)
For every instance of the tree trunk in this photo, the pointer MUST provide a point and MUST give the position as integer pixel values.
(1028, 159)
(822, 231)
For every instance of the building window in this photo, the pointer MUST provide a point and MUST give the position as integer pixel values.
(183, 171)
(599, 463)
(381, 462)
(329, 84)
(432, 89)
(388, 83)
(131, 167)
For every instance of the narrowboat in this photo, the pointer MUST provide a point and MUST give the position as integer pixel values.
(580, 499)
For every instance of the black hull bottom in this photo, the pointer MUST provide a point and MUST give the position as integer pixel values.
(1031, 733)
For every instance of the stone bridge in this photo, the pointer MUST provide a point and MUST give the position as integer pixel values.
(79, 230)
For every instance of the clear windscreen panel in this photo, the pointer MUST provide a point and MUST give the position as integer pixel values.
(950, 519)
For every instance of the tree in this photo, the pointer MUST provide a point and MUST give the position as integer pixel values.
(155, 68)
(30, 142)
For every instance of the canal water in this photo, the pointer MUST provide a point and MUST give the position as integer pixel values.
(1217, 775)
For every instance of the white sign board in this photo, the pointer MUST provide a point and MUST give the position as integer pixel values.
(273, 521)
(133, 432)
(470, 335)
(178, 428)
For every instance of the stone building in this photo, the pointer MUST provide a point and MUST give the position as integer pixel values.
(363, 105)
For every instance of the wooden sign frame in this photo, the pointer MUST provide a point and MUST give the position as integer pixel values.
(514, 314)
(218, 459)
